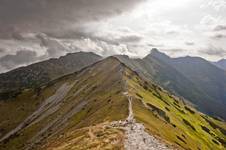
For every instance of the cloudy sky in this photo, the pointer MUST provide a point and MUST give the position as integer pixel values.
(32, 31)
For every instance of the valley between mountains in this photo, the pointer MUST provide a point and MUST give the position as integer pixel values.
(105, 105)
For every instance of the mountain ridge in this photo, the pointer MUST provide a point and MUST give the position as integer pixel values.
(35, 75)
(160, 70)
(209, 80)
(84, 78)
(157, 67)
(77, 110)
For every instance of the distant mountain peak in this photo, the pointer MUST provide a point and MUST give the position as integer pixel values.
(155, 50)
(39, 73)
(221, 64)
(222, 60)
(157, 54)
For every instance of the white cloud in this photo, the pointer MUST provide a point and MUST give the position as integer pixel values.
(170, 26)
(218, 5)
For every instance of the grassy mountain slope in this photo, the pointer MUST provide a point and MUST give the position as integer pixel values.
(39, 73)
(196, 83)
(203, 84)
(173, 120)
(204, 75)
(75, 111)
(79, 100)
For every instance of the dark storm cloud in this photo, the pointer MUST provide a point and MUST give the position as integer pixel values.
(25, 56)
(2, 50)
(20, 58)
(55, 15)
(116, 37)
(76, 33)
(17, 36)
(54, 48)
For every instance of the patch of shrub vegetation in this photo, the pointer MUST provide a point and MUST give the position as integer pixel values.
(94, 88)
(173, 125)
(182, 111)
(189, 124)
(166, 103)
(215, 141)
(167, 108)
(145, 87)
(139, 95)
(213, 125)
(160, 112)
(184, 136)
(181, 139)
(217, 118)
(157, 95)
(170, 96)
(176, 101)
(9, 94)
(109, 100)
(222, 141)
(178, 144)
(205, 129)
(176, 104)
(160, 89)
(189, 109)
(160, 97)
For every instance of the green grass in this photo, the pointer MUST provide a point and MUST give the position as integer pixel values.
(184, 128)
(101, 87)
(93, 137)
(102, 94)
